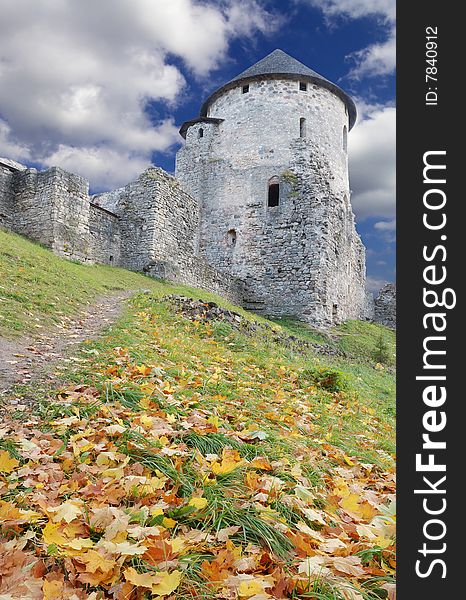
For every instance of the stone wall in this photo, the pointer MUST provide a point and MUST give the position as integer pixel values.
(385, 306)
(159, 225)
(104, 233)
(7, 194)
(33, 206)
(70, 218)
(50, 207)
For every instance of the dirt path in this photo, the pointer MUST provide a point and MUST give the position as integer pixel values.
(29, 359)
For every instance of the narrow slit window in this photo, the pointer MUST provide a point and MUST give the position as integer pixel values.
(231, 237)
(302, 127)
(200, 133)
(303, 86)
(345, 138)
(273, 198)
(245, 89)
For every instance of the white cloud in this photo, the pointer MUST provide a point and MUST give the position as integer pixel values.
(378, 58)
(110, 168)
(386, 225)
(75, 77)
(357, 9)
(372, 162)
(8, 147)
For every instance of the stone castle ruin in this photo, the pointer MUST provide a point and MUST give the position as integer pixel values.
(258, 211)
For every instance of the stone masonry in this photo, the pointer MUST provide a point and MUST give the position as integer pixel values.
(259, 210)
(385, 306)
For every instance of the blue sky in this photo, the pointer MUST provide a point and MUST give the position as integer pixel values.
(101, 88)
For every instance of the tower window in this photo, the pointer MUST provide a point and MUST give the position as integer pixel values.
(303, 86)
(302, 127)
(245, 89)
(274, 192)
(231, 237)
(345, 138)
(200, 133)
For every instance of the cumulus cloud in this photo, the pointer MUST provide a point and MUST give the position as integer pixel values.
(357, 9)
(75, 77)
(378, 58)
(372, 162)
(385, 225)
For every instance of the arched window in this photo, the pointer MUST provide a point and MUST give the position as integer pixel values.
(345, 138)
(231, 237)
(273, 198)
(302, 127)
(200, 133)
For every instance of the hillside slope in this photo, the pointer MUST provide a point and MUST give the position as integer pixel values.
(197, 453)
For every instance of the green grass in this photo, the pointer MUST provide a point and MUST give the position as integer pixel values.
(38, 288)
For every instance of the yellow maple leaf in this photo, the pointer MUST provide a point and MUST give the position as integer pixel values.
(95, 561)
(80, 543)
(68, 511)
(145, 580)
(357, 509)
(146, 421)
(52, 535)
(177, 544)
(144, 370)
(247, 589)
(8, 511)
(161, 584)
(7, 464)
(198, 503)
(168, 584)
(231, 460)
(52, 590)
(169, 523)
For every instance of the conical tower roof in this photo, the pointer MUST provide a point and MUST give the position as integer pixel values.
(279, 64)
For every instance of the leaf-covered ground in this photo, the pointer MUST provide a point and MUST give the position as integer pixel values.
(190, 460)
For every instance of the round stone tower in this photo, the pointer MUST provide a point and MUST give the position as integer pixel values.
(267, 161)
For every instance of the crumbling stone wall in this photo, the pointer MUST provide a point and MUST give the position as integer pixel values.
(50, 207)
(104, 234)
(159, 229)
(385, 306)
(7, 194)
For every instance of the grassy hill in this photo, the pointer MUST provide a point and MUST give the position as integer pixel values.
(189, 457)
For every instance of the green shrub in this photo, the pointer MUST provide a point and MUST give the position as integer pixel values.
(332, 380)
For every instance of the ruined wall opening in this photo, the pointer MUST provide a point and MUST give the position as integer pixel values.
(345, 138)
(273, 197)
(200, 133)
(302, 127)
(335, 313)
(231, 237)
